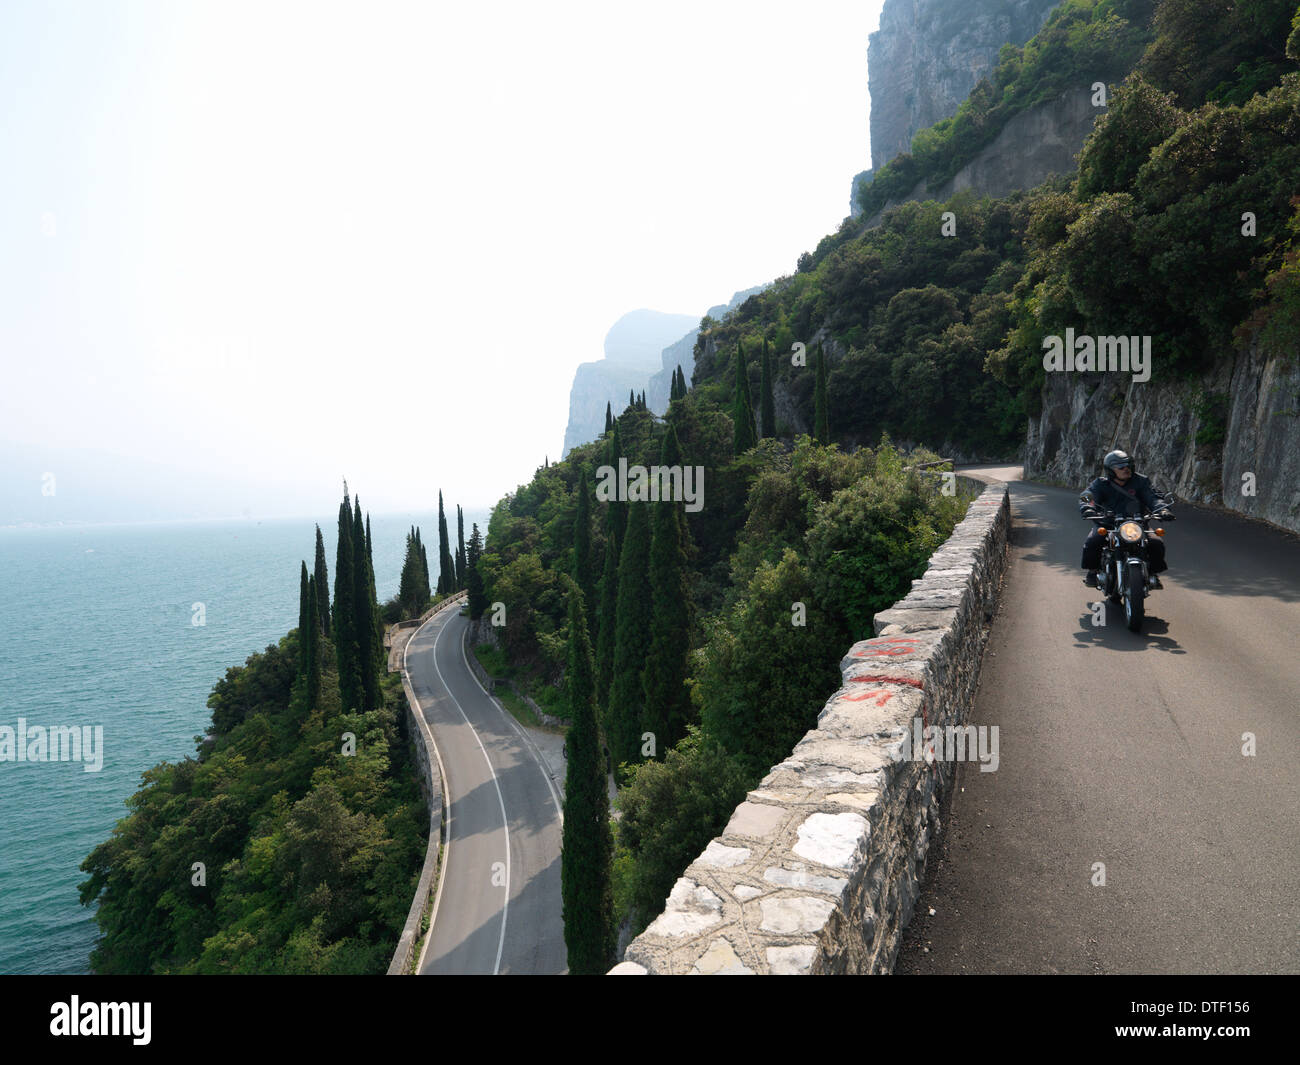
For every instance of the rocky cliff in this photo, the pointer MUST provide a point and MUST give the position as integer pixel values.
(633, 351)
(927, 55)
(1033, 145)
(1230, 438)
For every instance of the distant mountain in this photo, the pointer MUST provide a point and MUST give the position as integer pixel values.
(633, 351)
(682, 354)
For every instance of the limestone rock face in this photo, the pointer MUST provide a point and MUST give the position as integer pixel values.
(928, 55)
(633, 351)
(1084, 415)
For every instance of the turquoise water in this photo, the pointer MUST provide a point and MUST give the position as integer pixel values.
(96, 628)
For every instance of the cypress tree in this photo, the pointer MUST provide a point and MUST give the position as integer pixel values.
(679, 383)
(408, 585)
(426, 585)
(303, 588)
(345, 641)
(322, 584)
(631, 638)
(460, 548)
(615, 524)
(608, 611)
(665, 698)
(821, 423)
(742, 409)
(446, 577)
(363, 613)
(613, 453)
(631, 399)
(609, 418)
(588, 846)
(767, 405)
(582, 568)
(312, 645)
(473, 580)
(376, 617)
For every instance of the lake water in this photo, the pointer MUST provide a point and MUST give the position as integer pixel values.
(97, 629)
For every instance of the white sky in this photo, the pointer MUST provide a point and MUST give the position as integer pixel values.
(307, 240)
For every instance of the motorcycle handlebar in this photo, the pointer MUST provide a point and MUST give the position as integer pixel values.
(1110, 516)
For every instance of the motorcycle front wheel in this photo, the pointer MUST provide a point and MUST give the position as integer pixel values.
(1134, 598)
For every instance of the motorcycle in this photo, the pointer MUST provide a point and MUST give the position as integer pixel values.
(1127, 578)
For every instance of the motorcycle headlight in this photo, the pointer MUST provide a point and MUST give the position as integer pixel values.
(1130, 531)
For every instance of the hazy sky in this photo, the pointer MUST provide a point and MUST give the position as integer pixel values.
(285, 243)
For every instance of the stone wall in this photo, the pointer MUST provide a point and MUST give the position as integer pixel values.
(818, 870)
(430, 784)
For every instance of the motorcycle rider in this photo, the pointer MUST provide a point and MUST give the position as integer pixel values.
(1128, 494)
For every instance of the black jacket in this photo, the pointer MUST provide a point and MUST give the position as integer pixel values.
(1139, 496)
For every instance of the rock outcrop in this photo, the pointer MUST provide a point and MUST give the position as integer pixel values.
(928, 55)
(1247, 414)
(1032, 146)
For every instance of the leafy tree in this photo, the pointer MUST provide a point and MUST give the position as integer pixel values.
(670, 812)
(768, 668)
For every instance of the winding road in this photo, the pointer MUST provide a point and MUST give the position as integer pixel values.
(1126, 750)
(497, 909)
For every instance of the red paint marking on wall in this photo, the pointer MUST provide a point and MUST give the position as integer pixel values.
(876, 696)
(882, 646)
(883, 678)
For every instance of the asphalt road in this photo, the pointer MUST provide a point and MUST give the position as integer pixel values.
(498, 907)
(1127, 750)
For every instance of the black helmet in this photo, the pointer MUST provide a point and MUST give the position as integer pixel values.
(1114, 459)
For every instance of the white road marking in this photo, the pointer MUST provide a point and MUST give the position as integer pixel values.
(446, 801)
(505, 821)
(528, 740)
